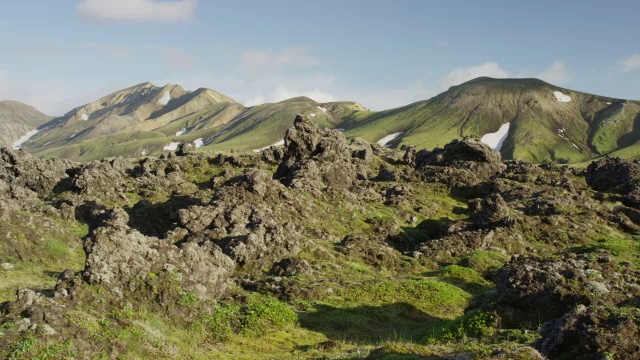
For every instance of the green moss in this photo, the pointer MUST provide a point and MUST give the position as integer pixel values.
(436, 298)
(485, 261)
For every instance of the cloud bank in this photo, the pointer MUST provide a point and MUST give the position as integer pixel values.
(630, 64)
(137, 10)
(557, 73)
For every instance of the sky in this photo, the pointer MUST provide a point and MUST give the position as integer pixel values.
(56, 55)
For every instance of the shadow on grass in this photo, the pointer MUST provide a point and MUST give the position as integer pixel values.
(370, 325)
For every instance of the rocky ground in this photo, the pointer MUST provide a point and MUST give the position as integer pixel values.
(326, 249)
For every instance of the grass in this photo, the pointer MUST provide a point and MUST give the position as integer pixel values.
(38, 250)
(623, 249)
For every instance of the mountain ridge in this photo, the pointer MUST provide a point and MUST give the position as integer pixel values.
(545, 122)
(18, 119)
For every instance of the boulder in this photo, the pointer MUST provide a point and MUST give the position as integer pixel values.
(592, 333)
(315, 158)
(461, 163)
(22, 169)
(612, 174)
(532, 289)
(122, 258)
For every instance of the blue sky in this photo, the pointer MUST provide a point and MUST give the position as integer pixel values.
(380, 53)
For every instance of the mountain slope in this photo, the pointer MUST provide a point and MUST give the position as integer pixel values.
(545, 122)
(145, 119)
(16, 120)
(528, 119)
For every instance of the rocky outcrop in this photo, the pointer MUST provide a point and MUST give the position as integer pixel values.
(592, 333)
(22, 169)
(490, 210)
(612, 174)
(315, 158)
(465, 161)
(371, 251)
(104, 178)
(532, 289)
(121, 259)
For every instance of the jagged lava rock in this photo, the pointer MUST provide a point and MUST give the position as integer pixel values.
(612, 174)
(315, 158)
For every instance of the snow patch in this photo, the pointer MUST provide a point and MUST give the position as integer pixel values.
(608, 103)
(385, 140)
(198, 142)
(172, 147)
(164, 100)
(181, 132)
(341, 129)
(72, 136)
(279, 143)
(322, 109)
(84, 117)
(312, 115)
(23, 140)
(561, 133)
(575, 146)
(561, 97)
(144, 152)
(496, 139)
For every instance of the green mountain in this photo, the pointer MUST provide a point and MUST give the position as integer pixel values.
(149, 120)
(16, 121)
(545, 122)
(526, 119)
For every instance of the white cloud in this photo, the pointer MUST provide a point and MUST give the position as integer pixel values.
(137, 10)
(459, 75)
(256, 62)
(630, 64)
(556, 74)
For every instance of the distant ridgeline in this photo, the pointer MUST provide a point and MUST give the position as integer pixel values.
(525, 119)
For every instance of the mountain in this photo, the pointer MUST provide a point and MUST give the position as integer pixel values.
(525, 119)
(17, 120)
(540, 121)
(145, 119)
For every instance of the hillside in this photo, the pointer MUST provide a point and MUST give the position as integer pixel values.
(17, 120)
(325, 249)
(149, 120)
(546, 122)
(527, 118)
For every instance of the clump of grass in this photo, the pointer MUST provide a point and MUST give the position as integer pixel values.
(22, 347)
(473, 324)
(188, 298)
(253, 319)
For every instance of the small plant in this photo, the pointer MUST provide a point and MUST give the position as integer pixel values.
(224, 321)
(22, 347)
(473, 324)
(272, 312)
(188, 298)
